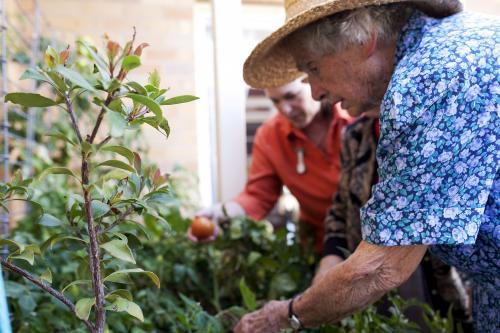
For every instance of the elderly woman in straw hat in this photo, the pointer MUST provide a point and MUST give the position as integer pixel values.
(433, 70)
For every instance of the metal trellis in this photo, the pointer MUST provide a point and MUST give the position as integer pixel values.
(34, 46)
(4, 218)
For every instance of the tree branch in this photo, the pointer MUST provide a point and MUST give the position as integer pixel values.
(94, 257)
(100, 117)
(74, 122)
(44, 286)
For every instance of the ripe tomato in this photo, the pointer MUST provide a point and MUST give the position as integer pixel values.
(202, 227)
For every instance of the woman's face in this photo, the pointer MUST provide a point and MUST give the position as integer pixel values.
(356, 80)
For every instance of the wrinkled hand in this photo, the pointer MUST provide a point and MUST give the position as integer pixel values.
(272, 318)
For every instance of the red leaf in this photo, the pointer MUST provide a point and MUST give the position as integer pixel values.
(138, 50)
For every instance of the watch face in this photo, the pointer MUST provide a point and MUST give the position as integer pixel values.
(294, 322)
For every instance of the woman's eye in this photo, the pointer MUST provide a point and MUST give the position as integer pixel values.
(313, 70)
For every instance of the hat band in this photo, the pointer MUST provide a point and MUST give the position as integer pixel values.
(295, 7)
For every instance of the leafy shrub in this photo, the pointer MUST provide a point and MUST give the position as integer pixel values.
(104, 192)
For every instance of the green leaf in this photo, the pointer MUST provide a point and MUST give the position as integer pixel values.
(99, 209)
(83, 307)
(248, 296)
(14, 289)
(154, 78)
(48, 220)
(130, 62)
(179, 100)
(33, 74)
(113, 85)
(151, 121)
(123, 293)
(137, 87)
(281, 284)
(115, 174)
(119, 249)
(57, 80)
(49, 243)
(117, 124)
(62, 137)
(29, 100)
(117, 164)
(123, 151)
(149, 103)
(28, 254)
(74, 77)
(124, 305)
(165, 127)
(101, 64)
(27, 303)
(74, 283)
(57, 171)
(10, 242)
(47, 276)
(118, 275)
(115, 106)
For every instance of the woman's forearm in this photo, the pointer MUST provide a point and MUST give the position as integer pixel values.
(365, 276)
(324, 266)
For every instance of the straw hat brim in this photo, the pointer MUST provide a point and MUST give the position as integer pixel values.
(271, 65)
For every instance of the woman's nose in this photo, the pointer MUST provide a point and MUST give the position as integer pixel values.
(317, 91)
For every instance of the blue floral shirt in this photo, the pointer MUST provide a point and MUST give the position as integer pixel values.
(439, 152)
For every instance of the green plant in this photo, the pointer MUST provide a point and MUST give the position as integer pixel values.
(209, 287)
(107, 196)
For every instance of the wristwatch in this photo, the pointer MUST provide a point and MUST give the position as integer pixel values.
(294, 321)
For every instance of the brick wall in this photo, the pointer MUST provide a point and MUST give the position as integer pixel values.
(167, 25)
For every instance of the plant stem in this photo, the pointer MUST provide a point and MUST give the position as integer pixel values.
(45, 287)
(94, 258)
(74, 122)
(95, 264)
(100, 117)
(120, 77)
(119, 220)
(215, 288)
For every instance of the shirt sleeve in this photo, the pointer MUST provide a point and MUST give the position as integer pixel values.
(263, 186)
(438, 156)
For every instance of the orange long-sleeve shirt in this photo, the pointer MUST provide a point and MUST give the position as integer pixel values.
(274, 164)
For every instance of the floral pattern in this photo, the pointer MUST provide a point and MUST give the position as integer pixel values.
(439, 152)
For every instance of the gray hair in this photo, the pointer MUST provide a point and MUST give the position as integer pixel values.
(338, 32)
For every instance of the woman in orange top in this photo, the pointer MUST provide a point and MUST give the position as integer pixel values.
(300, 148)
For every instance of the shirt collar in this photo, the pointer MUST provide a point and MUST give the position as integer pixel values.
(412, 33)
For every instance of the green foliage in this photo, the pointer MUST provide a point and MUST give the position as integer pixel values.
(103, 206)
(29, 100)
(209, 287)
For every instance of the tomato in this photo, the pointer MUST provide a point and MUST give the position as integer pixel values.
(202, 227)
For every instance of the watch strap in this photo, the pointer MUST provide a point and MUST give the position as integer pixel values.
(291, 314)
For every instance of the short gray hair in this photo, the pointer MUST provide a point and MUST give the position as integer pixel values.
(339, 31)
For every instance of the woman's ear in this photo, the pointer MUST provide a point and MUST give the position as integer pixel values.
(370, 46)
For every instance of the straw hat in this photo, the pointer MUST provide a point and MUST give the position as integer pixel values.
(270, 65)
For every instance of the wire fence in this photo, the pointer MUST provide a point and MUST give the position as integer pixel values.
(15, 38)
